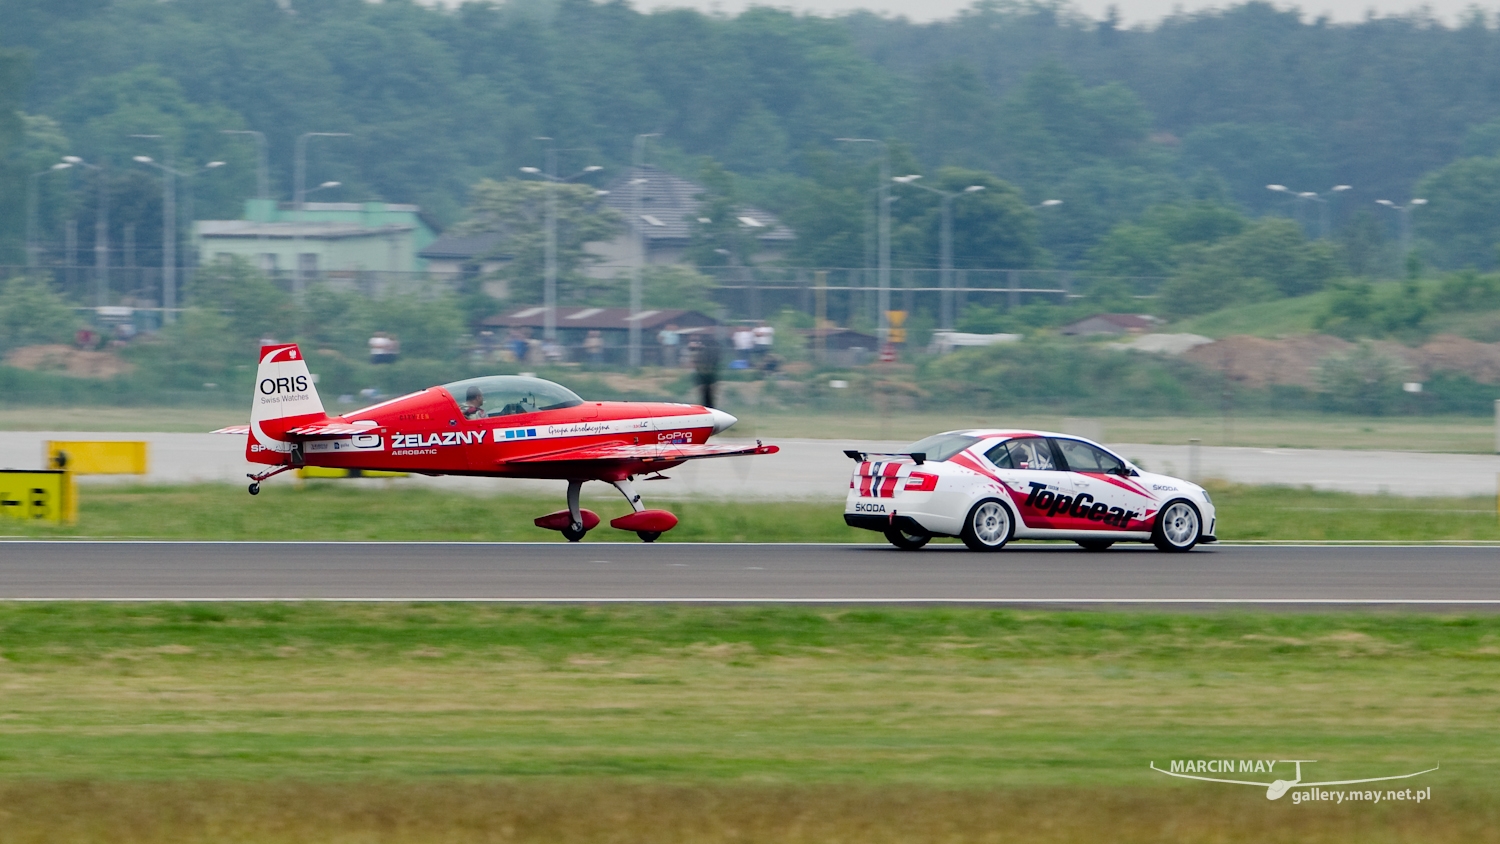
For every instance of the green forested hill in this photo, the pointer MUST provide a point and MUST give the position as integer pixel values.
(1113, 121)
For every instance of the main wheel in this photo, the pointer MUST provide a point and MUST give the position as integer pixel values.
(1178, 527)
(573, 532)
(1096, 544)
(988, 526)
(648, 535)
(255, 489)
(906, 541)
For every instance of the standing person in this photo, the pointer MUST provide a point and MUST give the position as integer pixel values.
(594, 346)
(744, 343)
(706, 368)
(669, 338)
(765, 338)
(381, 349)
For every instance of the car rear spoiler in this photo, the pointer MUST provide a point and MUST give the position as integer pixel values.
(918, 457)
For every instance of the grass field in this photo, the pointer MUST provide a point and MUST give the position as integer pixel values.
(356, 722)
(1460, 434)
(337, 510)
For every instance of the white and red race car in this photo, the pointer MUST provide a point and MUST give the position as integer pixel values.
(988, 487)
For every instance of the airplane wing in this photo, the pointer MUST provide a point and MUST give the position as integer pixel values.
(1208, 779)
(233, 429)
(1371, 779)
(649, 453)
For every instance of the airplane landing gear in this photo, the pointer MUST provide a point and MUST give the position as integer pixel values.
(573, 522)
(257, 477)
(649, 525)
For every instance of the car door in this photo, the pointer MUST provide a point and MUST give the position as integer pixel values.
(1037, 486)
(1104, 497)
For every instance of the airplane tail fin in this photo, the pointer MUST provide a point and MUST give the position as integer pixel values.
(285, 397)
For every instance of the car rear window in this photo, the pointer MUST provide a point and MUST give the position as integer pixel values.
(940, 447)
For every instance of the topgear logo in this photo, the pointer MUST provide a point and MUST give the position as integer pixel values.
(1193, 769)
(1081, 506)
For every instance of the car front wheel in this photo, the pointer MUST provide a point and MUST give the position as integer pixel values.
(988, 526)
(1178, 527)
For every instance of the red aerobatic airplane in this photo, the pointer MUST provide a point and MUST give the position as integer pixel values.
(503, 426)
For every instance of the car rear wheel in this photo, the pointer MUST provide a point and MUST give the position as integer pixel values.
(905, 540)
(1178, 527)
(988, 526)
(1096, 544)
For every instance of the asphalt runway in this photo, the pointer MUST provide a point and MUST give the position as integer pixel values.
(600, 571)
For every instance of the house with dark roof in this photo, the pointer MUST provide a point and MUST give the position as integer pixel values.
(1112, 324)
(669, 209)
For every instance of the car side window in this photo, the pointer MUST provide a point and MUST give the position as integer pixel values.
(1000, 456)
(1031, 453)
(1082, 457)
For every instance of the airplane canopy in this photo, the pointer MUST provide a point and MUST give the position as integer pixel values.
(507, 395)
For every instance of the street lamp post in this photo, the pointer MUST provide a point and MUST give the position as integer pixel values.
(169, 239)
(101, 232)
(168, 230)
(262, 171)
(1312, 196)
(638, 182)
(549, 284)
(299, 201)
(32, 246)
(1405, 212)
(883, 294)
(945, 242)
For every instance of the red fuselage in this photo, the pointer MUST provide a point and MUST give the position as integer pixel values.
(428, 433)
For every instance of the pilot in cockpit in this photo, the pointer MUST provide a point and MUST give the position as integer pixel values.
(474, 404)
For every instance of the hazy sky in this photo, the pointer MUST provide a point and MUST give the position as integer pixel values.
(1133, 11)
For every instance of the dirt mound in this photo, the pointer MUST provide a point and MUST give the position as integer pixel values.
(66, 360)
(1447, 353)
(1257, 362)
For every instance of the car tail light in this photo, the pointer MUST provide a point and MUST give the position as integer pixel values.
(921, 482)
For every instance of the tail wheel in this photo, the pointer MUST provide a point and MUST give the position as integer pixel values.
(1178, 527)
(906, 541)
(988, 526)
(573, 532)
(1096, 544)
(648, 535)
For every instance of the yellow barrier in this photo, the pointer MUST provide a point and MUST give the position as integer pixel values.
(86, 457)
(38, 494)
(329, 472)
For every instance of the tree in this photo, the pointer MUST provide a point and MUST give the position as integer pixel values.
(517, 210)
(1270, 258)
(1461, 219)
(13, 168)
(31, 313)
(992, 228)
(1152, 246)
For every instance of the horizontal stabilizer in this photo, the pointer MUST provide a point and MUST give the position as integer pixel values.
(322, 429)
(649, 453)
(331, 429)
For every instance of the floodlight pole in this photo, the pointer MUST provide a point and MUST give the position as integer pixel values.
(638, 183)
(168, 233)
(299, 196)
(945, 243)
(32, 245)
(883, 277)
